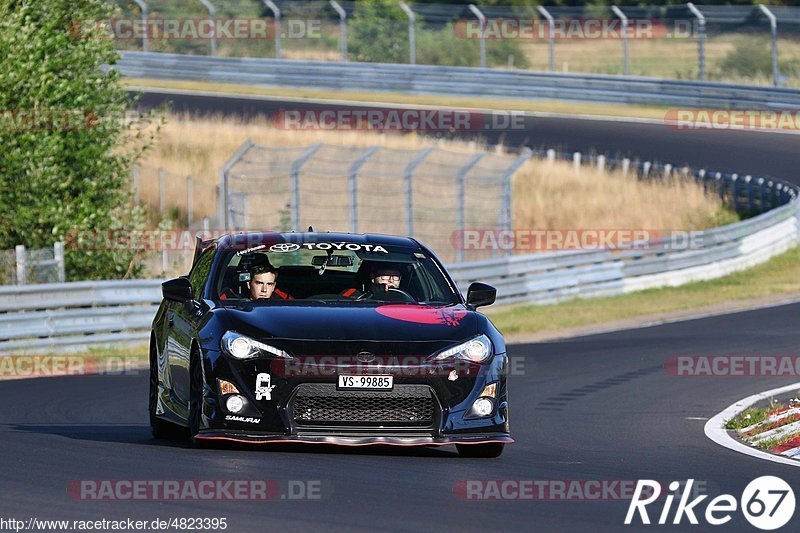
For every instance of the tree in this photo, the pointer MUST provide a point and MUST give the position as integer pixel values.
(67, 145)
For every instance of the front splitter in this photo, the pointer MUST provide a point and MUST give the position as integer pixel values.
(370, 440)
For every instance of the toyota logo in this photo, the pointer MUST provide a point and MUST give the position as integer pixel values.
(284, 247)
(365, 357)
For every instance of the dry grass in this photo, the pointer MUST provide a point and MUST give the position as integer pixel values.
(546, 195)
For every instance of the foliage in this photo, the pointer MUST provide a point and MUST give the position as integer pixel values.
(68, 146)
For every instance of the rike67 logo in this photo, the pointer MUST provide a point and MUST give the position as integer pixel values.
(767, 503)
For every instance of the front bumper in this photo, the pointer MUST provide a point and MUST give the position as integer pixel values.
(343, 440)
(277, 420)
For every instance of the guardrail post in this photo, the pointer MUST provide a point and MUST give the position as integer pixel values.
(297, 164)
(342, 27)
(551, 156)
(624, 19)
(551, 31)
(352, 185)
(212, 12)
(189, 200)
(58, 255)
(576, 162)
(751, 207)
(22, 270)
(626, 166)
(601, 163)
(646, 166)
(224, 194)
(143, 7)
(701, 40)
(735, 191)
(667, 171)
(482, 20)
(409, 179)
(412, 41)
(276, 13)
(773, 26)
(460, 198)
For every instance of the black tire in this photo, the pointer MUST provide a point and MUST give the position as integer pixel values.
(489, 450)
(161, 429)
(195, 398)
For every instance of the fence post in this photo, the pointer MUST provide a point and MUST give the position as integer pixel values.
(189, 200)
(223, 182)
(409, 179)
(352, 185)
(161, 191)
(276, 12)
(551, 156)
(22, 271)
(773, 27)
(646, 169)
(342, 27)
(460, 198)
(576, 162)
(506, 211)
(143, 7)
(618, 12)
(412, 41)
(212, 12)
(482, 20)
(626, 165)
(58, 255)
(551, 30)
(701, 39)
(297, 164)
(601, 163)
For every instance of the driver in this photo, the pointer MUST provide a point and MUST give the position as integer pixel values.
(383, 280)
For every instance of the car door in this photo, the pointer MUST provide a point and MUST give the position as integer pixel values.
(182, 320)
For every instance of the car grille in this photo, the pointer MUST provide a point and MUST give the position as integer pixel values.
(322, 404)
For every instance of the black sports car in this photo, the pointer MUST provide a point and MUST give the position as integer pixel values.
(327, 338)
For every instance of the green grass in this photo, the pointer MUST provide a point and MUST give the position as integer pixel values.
(750, 416)
(779, 275)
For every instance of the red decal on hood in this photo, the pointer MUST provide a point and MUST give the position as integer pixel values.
(422, 314)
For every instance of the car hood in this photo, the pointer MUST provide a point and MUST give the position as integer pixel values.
(327, 322)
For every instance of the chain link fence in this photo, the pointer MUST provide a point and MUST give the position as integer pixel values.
(754, 44)
(428, 193)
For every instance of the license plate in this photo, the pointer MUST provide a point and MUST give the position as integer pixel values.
(366, 382)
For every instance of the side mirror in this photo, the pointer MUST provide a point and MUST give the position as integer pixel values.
(480, 294)
(177, 290)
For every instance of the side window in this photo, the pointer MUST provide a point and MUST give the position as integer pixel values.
(200, 272)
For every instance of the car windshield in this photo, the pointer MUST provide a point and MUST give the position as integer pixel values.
(348, 273)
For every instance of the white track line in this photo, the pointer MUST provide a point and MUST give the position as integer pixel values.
(715, 430)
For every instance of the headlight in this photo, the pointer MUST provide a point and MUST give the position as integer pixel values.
(475, 350)
(239, 346)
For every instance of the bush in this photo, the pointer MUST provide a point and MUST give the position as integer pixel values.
(752, 58)
(379, 34)
(68, 147)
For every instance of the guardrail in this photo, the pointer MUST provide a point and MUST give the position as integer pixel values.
(464, 81)
(73, 316)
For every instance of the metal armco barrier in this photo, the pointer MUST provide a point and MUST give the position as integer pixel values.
(464, 81)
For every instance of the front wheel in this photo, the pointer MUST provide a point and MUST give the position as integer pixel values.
(195, 398)
(481, 451)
